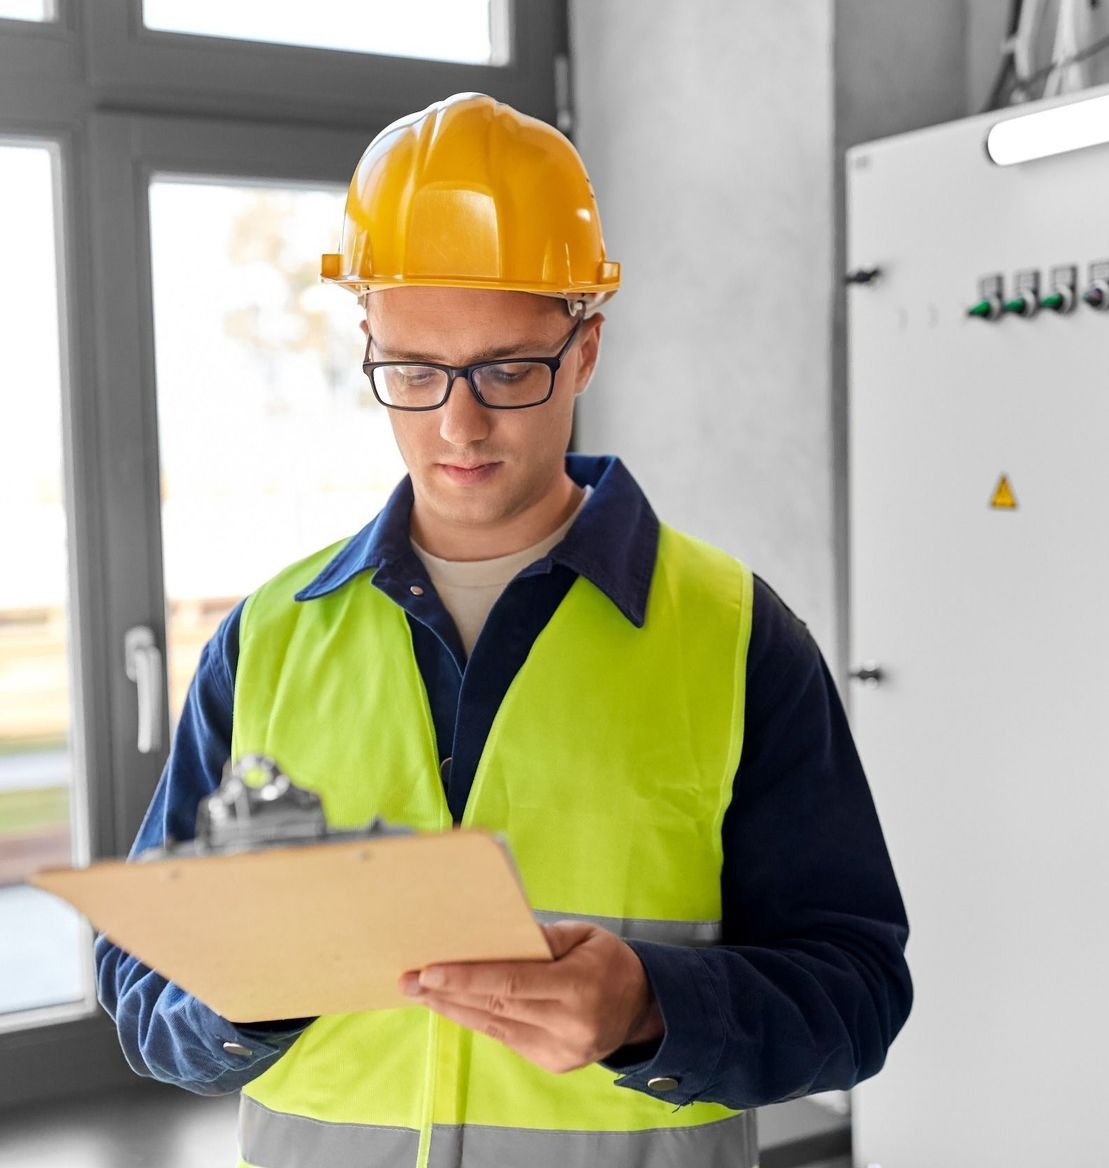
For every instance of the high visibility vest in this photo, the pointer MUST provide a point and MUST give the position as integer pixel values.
(609, 767)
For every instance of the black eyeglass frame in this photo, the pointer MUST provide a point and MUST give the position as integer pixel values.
(453, 372)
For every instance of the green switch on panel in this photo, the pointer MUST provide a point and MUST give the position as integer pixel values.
(990, 298)
(988, 309)
(1063, 281)
(1026, 294)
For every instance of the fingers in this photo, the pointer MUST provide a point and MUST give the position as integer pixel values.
(560, 1014)
(531, 1042)
(534, 980)
(509, 979)
(544, 1015)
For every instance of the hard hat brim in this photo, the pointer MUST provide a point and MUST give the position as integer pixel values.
(592, 294)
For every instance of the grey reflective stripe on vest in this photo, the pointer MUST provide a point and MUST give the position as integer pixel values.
(727, 1143)
(636, 929)
(275, 1139)
(270, 1139)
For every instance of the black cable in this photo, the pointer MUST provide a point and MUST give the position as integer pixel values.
(1007, 68)
(1081, 55)
(1040, 74)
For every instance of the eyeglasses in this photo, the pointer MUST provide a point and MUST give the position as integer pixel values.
(515, 384)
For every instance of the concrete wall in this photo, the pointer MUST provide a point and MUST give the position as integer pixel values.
(713, 132)
(707, 130)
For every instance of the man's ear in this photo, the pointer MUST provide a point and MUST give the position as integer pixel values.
(364, 325)
(590, 347)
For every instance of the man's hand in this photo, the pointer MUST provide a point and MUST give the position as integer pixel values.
(591, 1000)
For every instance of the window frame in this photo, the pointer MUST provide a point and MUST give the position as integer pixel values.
(84, 830)
(129, 63)
(128, 151)
(38, 1059)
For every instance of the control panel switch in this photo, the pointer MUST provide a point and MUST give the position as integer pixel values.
(991, 302)
(1026, 297)
(1063, 295)
(1097, 291)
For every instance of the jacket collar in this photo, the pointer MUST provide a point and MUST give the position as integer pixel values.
(612, 543)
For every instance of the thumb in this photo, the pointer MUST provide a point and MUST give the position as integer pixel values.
(563, 936)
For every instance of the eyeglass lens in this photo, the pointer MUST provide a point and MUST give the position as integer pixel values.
(504, 383)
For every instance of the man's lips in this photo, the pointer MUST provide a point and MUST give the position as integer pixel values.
(473, 472)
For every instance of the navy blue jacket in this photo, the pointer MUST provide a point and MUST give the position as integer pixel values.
(809, 986)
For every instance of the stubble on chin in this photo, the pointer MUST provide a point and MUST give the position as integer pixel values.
(476, 508)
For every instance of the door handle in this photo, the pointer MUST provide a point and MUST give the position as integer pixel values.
(143, 662)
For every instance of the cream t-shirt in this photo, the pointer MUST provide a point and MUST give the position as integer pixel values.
(469, 588)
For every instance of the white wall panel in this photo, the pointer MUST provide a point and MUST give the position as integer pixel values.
(987, 741)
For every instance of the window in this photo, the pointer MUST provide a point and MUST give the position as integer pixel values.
(42, 820)
(168, 190)
(27, 9)
(467, 31)
(271, 443)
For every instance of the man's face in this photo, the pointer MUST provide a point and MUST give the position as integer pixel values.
(523, 449)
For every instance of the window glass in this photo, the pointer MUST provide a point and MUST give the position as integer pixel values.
(27, 9)
(444, 30)
(42, 958)
(271, 442)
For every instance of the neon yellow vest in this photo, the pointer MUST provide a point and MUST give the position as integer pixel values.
(609, 767)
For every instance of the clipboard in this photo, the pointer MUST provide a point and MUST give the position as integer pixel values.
(268, 914)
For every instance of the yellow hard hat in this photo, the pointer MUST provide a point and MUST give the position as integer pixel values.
(470, 193)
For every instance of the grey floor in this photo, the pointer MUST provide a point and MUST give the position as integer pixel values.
(150, 1126)
(142, 1127)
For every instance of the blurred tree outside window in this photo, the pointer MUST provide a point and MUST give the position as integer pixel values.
(271, 443)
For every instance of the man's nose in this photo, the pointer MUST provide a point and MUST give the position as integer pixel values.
(464, 419)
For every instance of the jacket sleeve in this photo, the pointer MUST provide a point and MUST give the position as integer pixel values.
(810, 984)
(166, 1033)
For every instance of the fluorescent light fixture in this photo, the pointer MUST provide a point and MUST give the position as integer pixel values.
(1052, 131)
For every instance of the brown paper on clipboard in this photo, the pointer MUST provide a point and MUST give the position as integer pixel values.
(317, 929)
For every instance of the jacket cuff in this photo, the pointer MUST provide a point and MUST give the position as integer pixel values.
(685, 1059)
(240, 1053)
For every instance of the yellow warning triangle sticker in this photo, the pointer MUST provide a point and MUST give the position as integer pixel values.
(1003, 495)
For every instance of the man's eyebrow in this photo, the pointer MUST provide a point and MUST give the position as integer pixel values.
(520, 349)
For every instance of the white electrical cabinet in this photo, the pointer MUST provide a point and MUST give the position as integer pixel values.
(979, 566)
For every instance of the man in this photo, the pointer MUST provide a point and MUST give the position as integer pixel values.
(517, 643)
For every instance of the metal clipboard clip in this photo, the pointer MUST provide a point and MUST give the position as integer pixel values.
(245, 815)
